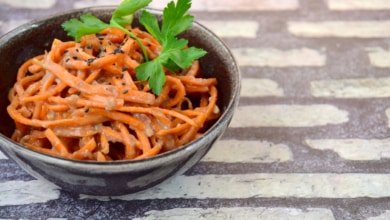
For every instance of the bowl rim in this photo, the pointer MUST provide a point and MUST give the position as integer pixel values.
(189, 147)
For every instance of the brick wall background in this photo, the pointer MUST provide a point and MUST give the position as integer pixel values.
(310, 139)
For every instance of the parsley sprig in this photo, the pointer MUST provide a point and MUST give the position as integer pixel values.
(121, 17)
(175, 54)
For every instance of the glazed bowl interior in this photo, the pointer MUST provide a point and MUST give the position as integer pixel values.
(35, 37)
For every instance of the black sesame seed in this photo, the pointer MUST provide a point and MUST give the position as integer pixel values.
(90, 60)
(118, 50)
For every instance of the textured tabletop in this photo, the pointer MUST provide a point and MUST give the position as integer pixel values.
(309, 140)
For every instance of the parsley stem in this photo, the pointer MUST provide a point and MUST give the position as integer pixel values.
(115, 24)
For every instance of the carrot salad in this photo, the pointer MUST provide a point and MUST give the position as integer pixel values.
(81, 100)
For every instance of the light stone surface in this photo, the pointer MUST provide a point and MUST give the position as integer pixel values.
(273, 57)
(41, 4)
(354, 149)
(235, 151)
(388, 116)
(342, 29)
(266, 185)
(379, 57)
(358, 4)
(2, 156)
(352, 88)
(91, 3)
(243, 5)
(6, 26)
(383, 216)
(231, 29)
(27, 192)
(288, 116)
(259, 213)
(255, 87)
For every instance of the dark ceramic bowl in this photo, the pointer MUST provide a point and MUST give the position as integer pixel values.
(117, 177)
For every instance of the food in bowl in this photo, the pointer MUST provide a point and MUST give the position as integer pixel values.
(116, 92)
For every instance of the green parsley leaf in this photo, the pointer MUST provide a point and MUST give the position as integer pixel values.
(88, 24)
(174, 54)
(153, 72)
(151, 25)
(184, 58)
(175, 19)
